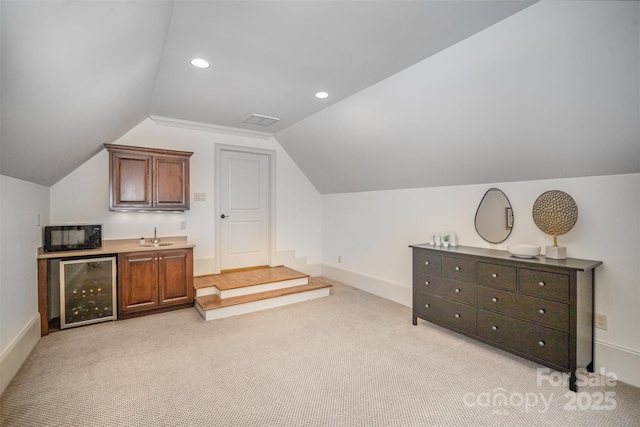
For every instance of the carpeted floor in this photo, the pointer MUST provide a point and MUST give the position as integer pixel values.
(350, 359)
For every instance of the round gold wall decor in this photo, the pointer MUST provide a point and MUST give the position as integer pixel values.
(555, 212)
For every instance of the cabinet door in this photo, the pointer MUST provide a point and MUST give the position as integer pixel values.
(175, 276)
(171, 175)
(137, 281)
(131, 180)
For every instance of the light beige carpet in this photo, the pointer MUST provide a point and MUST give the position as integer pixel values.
(350, 359)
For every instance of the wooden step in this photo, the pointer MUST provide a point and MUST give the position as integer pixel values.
(210, 302)
(239, 283)
(213, 307)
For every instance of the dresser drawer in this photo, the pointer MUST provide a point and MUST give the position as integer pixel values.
(450, 313)
(540, 342)
(497, 276)
(548, 313)
(544, 284)
(459, 268)
(443, 287)
(427, 262)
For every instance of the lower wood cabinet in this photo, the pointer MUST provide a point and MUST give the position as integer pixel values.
(538, 308)
(154, 281)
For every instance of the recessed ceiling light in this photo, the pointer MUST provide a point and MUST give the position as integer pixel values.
(322, 95)
(199, 63)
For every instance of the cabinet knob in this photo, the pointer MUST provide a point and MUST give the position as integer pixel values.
(541, 311)
(494, 275)
(540, 283)
(541, 343)
(494, 299)
(426, 283)
(426, 305)
(457, 291)
(457, 316)
(494, 328)
(426, 263)
(457, 268)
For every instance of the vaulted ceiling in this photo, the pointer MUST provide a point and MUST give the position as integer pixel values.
(421, 93)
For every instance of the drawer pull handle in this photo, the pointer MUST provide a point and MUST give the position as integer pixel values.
(457, 268)
(541, 343)
(494, 328)
(540, 283)
(457, 316)
(457, 291)
(494, 275)
(426, 283)
(426, 263)
(426, 305)
(541, 311)
(494, 299)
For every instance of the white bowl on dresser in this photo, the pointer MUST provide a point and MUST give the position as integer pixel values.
(523, 250)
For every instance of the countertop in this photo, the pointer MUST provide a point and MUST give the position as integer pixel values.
(120, 246)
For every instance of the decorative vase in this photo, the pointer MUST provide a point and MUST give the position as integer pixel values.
(555, 212)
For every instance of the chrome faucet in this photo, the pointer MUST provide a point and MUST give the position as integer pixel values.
(155, 239)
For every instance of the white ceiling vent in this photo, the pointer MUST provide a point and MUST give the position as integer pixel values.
(257, 119)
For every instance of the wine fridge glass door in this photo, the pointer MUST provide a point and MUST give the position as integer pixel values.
(87, 291)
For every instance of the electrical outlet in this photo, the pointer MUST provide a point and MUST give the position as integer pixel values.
(600, 321)
(339, 259)
(183, 225)
(199, 197)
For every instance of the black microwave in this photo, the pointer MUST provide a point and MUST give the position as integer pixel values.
(71, 237)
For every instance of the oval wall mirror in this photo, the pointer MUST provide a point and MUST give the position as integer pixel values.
(494, 218)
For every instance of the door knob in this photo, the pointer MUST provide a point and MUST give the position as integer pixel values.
(223, 216)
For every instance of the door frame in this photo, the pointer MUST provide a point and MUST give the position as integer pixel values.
(271, 155)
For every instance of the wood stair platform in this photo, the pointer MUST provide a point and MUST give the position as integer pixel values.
(247, 291)
(209, 302)
(241, 279)
(238, 283)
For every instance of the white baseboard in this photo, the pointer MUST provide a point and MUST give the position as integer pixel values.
(289, 259)
(14, 356)
(622, 361)
(380, 287)
(313, 270)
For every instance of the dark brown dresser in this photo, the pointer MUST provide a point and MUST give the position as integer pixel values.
(537, 308)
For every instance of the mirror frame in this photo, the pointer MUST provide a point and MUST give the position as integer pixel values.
(475, 221)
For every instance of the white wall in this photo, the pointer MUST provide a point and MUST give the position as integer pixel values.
(371, 232)
(21, 203)
(83, 196)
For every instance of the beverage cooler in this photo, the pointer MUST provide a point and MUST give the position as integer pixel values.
(87, 291)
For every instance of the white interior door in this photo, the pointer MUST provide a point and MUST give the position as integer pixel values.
(244, 209)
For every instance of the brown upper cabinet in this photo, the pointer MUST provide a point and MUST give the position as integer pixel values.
(148, 179)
